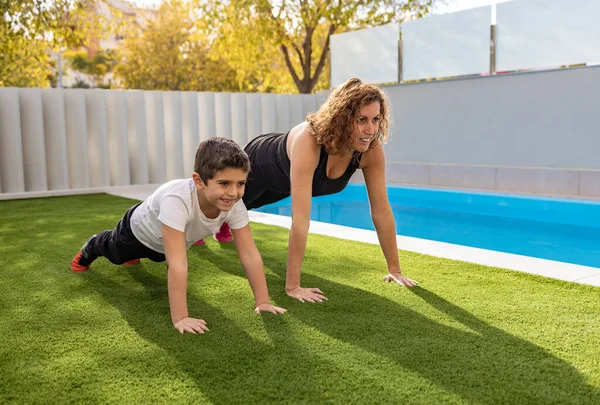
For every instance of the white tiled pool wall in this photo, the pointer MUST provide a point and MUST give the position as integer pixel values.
(567, 183)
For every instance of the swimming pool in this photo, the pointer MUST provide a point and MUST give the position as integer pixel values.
(554, 229)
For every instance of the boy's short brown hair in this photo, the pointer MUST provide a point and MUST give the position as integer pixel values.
(216, 154)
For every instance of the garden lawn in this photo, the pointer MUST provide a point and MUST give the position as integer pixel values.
(467, 334)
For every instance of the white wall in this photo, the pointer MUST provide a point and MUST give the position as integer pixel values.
(541, 119)
(532, 133)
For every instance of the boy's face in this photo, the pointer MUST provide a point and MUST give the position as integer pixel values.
(223, 190)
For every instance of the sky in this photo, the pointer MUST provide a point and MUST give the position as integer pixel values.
(449, 6)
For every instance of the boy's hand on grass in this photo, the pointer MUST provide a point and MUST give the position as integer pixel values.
(400, 279)
(191, 325)
(266, 307)
(307, 294)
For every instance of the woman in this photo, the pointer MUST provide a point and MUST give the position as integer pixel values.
(318, 157)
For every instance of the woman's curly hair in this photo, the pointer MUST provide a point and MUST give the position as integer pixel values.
(333, 123)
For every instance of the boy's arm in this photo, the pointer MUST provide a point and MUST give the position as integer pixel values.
(253, 266)
(175, 251)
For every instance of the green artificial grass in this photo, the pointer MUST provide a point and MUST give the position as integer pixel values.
(468, 334)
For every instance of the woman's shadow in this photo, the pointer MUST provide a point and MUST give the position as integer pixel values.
(482, 363)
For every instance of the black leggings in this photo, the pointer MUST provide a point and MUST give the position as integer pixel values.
(269, 177)
(120, 245)
(256, 198)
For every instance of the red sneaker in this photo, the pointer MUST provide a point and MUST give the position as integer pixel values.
(81, 261)
(75, 266)
(199, 242)
(132, 262)
(224, 234)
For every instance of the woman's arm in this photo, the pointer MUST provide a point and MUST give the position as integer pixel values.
(304, 156)
(373, 163)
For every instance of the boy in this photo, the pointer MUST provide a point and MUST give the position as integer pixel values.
(179, 213)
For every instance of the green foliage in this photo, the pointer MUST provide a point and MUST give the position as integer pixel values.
(80, 84)
(78, 61)
(24, 62)
(239, 38)
(30, 29)
(169, 54)
(95, 68)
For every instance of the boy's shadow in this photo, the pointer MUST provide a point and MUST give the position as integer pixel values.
(484, 364)
(243, 370)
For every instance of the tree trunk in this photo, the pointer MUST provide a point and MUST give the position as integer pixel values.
(305, 87)
(306, 84)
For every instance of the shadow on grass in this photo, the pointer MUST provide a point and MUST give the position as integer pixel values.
(227, 364)
(483, 364)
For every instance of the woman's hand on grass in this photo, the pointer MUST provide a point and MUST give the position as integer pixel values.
(400, 279)
(191, 325)
(266, 307)
(307, 294)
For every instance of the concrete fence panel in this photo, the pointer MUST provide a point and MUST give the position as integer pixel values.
(283, 116)
(296, 110)
(12, 178)
(223, 115)
(77, 140)
(190, 130)
(206, 115)
(239, 127)
(268, 113)
(32, 137)
(118, 144)
(97, 139)
(137, 144)
(253, 116)
(173, 134)
(157, 168)
(55, 135)
(309, 104)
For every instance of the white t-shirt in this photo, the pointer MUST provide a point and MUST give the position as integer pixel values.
(175, 204)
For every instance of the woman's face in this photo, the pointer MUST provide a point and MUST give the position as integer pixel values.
(366, 126)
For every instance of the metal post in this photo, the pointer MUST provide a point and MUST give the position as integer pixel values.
(59, 79)
(493, 50)
(400, 59)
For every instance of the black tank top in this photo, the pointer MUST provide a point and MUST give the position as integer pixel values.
(270, 167)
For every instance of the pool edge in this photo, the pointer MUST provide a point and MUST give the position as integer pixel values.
(526, 264)
(542, 267)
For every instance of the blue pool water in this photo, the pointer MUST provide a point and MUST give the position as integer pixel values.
(555, 229)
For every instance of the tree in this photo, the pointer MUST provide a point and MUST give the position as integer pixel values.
(302, 28)
(95, 67)
(31, 28)
(238, 38)
(24, 61)
(169, 54)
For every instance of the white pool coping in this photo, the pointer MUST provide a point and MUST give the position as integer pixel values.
(542, 267)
